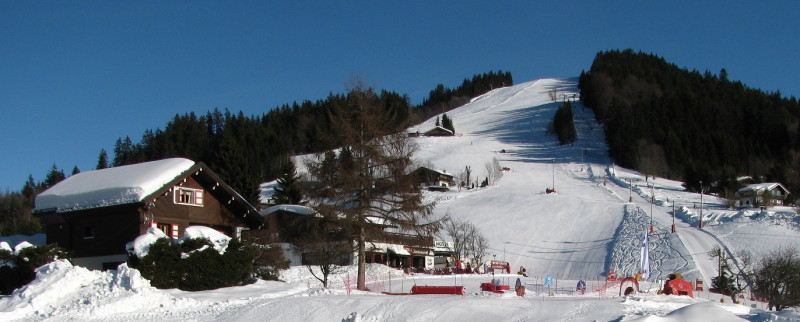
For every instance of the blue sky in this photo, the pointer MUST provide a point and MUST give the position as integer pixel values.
(77, 75)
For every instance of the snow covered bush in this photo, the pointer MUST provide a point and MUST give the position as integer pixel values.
(18, 268)
(204, 262)
(269, 261)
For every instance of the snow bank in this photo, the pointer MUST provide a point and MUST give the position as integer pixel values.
(60, 287)
(705, 311)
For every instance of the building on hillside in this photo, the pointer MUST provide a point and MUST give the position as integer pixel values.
(439, 131)
(427, 178)
(266, 194)
(266, 190)
(291, 224)
(762, 194)
(95, 213)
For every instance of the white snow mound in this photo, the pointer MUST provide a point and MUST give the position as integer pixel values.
(141, 245)
(218, 239)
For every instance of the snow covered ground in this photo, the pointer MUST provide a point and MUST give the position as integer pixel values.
(587, 228)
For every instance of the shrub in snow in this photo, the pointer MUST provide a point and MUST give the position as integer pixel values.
(269, 261)
(18, 268)
(192, 264)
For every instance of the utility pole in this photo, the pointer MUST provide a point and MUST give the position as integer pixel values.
(630, 190)
(652, 199)
(673, 217)
(701, 205)
(554, 174)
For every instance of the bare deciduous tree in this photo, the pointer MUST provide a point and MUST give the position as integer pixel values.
(777, 278)
(493, 171)
(467, 239)
(553, 93)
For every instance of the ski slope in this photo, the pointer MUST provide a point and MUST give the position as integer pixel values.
(595, 221)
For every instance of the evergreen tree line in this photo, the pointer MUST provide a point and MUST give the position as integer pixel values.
(16, 207)
(246, 151)
(563, 124)
(442, 99)
(668, 121)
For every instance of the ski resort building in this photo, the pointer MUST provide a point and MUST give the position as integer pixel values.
(95, 213)
(426, 178)
(291, 224)
(439, 131)
(756, 195)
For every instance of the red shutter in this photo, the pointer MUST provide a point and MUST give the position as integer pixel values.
(198, 197)
(154, 224)
(175, 231)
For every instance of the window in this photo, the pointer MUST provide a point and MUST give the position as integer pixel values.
(171, 230)
(166, 228)
(88, 233)
(188, 196)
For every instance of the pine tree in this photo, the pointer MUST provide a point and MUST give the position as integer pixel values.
(75, 170)
(447, 123)
(30, 187)
(288, 190)
(53, 177)
(563, 124)
(102, 160)
(123, 152)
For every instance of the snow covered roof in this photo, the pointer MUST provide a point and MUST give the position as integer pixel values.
(298, 209)
(443, 172)
(760, 187)
(266, 191)
(386, 247)
(111, 186)
(439, 128)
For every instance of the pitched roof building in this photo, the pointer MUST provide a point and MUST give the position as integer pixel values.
(95, 213)
(758, 194)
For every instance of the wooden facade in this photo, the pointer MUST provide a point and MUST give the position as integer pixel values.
(97, 236)
(291, 224)
(426, 177)
(439, 131)
(760, 194)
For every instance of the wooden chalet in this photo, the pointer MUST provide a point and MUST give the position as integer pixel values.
(755, 195)
(290, 223)
(94, 214)
(427, 177)
(439, 131)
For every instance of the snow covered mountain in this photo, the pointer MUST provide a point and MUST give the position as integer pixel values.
(590, 225)
(594, 223)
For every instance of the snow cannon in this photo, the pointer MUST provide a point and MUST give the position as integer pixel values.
(676, 285)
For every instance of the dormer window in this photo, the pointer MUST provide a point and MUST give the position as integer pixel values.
(188, 196)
